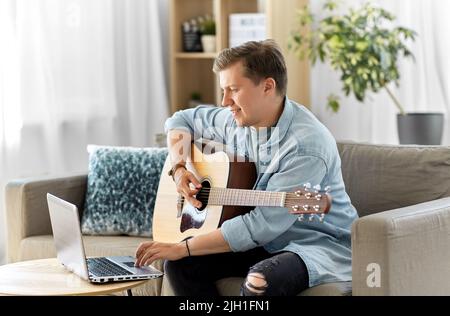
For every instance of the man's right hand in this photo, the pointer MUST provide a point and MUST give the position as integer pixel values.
(188, 186)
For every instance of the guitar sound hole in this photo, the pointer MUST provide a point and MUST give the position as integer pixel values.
(203, 194)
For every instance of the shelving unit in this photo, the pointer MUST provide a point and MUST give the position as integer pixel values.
(192, 72)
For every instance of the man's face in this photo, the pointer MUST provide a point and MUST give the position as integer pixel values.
(242, 96)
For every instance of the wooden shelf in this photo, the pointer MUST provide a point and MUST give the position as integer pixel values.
(192, 72)
(196, 55)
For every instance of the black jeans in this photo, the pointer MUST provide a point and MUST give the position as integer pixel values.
(284, 273)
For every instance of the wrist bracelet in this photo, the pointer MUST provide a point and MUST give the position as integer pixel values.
(174, 169)
(187, 247)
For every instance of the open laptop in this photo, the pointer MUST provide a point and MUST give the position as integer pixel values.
(70, 250)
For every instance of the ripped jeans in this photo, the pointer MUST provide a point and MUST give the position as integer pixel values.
(280, 274)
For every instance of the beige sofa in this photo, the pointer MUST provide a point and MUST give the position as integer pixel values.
(400, 243)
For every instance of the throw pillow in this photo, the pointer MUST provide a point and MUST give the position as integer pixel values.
(121, 190)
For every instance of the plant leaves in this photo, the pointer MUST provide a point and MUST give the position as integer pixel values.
(361, 44)
(333, 103)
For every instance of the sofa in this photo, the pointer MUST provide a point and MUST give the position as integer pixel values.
(400, 243)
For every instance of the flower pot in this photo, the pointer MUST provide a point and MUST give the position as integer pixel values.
(420, 128)
(209, 43)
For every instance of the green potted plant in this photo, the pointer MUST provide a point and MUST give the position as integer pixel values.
(208, 34)
(364, 47)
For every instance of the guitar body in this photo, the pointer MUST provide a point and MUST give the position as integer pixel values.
(172, 223)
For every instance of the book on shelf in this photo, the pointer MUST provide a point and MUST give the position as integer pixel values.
(244, 27)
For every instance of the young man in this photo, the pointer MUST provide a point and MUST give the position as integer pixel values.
(277, 254)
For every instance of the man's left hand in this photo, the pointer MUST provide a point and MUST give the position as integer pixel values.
(149, 251)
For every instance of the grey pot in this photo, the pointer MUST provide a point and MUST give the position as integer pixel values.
(420, 128)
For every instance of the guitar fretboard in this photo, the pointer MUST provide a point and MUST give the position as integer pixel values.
(239, 197)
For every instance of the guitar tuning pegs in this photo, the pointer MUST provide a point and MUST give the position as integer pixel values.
(327, 189)
(307, 186)
(321, 218)
(317, 188)
(301, 218)
(311, 217)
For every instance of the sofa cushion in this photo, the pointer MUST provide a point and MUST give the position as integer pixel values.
(329, 289)
(121, 190)
(40, 247)
(384, 177)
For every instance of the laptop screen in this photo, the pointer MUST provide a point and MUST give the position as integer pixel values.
(67, 235)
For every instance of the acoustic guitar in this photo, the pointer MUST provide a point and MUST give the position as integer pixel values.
(226, 192)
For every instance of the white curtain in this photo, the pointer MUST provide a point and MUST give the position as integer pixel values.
(424, 84)
(74, 72)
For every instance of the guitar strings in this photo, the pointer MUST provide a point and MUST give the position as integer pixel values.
(287, 205)
(207, 192)
(206, 195)
(263, 192)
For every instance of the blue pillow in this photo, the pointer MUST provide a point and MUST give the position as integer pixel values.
(121, 190)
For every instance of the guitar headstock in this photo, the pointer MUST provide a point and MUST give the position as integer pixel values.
(309, 201)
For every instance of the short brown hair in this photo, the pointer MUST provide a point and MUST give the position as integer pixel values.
(261, 60)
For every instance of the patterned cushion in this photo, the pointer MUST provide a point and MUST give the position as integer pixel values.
(121, 190)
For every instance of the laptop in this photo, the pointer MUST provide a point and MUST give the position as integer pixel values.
(69, 246)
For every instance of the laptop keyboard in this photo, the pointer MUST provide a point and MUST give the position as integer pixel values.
(104, 267)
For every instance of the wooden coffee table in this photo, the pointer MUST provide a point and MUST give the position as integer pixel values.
(49, 277)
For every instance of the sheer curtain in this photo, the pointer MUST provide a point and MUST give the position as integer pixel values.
(424, 84)
(74, 72)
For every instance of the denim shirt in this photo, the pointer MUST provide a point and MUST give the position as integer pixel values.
(298, 150)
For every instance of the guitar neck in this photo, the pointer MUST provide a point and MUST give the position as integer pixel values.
(239, 197)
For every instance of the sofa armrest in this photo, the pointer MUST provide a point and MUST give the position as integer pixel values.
(403, 251)
(26, 206)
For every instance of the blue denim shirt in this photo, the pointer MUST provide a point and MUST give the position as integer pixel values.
(298, 150)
